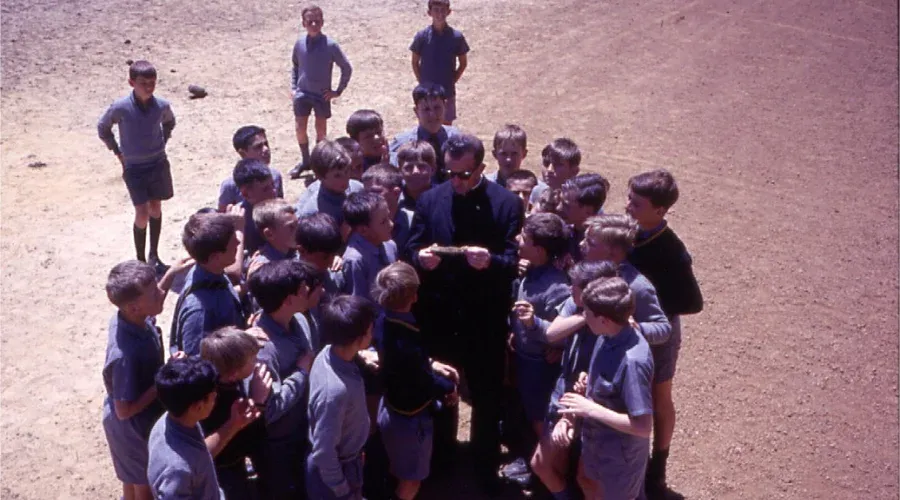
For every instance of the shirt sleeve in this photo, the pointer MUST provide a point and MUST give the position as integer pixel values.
(104, 129)
(168, 122)
(346, 68)
(295, 67)
(193, 327)
(173, 484)
(286, 394)
(327, 418)
(651, 319)
(636, 388)
(417, 43)
(355, 282)
(124, 380)
(462, 47)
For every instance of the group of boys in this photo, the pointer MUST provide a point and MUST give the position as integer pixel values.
(316, 349)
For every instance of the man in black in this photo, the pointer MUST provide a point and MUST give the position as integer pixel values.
(465, 298)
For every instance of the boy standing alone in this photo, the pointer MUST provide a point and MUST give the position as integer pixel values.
(435, 51)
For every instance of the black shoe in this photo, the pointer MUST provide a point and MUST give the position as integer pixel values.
(298, 170)
(515, 468)
(158, 266)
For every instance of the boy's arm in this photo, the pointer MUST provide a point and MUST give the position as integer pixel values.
(104, 130)
(127, 409)
(283, 400)
(326, 420)
(562, 327)
(173, 484)
(652, 321)
(168, 122)
(580, 406)
(461, 67)
(242, 414)
(687, 298)
(295, 68)
(416, 63)
(346, 69)
(193, 326)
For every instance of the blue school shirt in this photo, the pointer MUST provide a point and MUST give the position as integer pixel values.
(322, 200)
(576, 358)
(252, 237)
(436, 140)
(230, 194)
(267, 253)
(313, 62)
(338, 418)
(438, 51)
(545, 287)
(653, 322)
(362, 262)
(180, 465)
(209, 307)
(285, 412)
(143, 129)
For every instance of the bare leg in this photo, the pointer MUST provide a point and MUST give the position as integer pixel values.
(589, 487)
(663, 415)
(407, 490)
(549, 463)
(321, 129)
(128, 491)
(142, 492)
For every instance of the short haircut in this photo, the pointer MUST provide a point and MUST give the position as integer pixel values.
(584, 272)
(613, 229)
(272, 283)
(229, 349)
(459, 145)
(417, 152)
(266, 213)
(206, 234)
(428, 91)
(348, 143)
(207, 210)
(591, 189)
(609, 297)
(181, 383)
(141, 68)
(362, 120)
(359, 207)
(319, 232)
(128, 280)
(310, 9)
(549, 232)
(562, 150)
(432, 3)
(347, 318)
(250, 170)
(244, 136)
(658, 186)
(522, 175)
(328, 156)
(513, 133)
(384, 174)
(548, 202)
(395, 286)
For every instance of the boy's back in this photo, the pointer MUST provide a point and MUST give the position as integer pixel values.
(665, 261)
(207, 303)
(180, 464)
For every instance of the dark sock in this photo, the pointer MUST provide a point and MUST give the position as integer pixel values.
(656, 468)
(155, 228)
(304, 152)
(140, 242)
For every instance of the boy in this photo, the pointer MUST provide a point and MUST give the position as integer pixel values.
(313, 60)
(255, 182)
(319, 242)
(561, 160)
(369, 248)
(276, 221)
(208, 300)
(366, 127)
(435, 51)
(338, 419)
(616, 410)
(510, 149)
(354, 172)
(250, 142)
(521, 183)
(429, 101)
(386, 181)
(418, 164)
(580, 198)
(145, 125)
(286, 290)
(331, 164)
(134, 352)
(180, 464)
(661, 256)
(413, 383)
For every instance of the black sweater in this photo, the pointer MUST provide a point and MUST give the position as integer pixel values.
(665, 261)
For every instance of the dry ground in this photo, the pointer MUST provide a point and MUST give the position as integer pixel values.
(779, 118)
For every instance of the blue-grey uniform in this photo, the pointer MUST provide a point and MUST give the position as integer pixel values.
(267, 253)
(436, 140)
(438, 51)
(144, 130)
(331, 288)
(545, 288)
(652, 321)
(212, 304)
(338, 428)
(133, 355)
(620, 379)
(575, 360)
(180, 464)
(230, 194)
(285, 413)
(316, 199)
(362, 262)
(313, 61)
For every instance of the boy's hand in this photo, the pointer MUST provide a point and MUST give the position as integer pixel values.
(337, 264)
(524, 264)
(237, 216)
(370, 359)
(511, 341)
(243, 412)
(330, 94)
(452, 399)
(478, 257)
(179, 355)
(256, 331)
(261, 384)
(524, 312)
(575, 405)
(553, 355)
(428, 259)
(305, 361)
(563, 432)
(445, 371)
(634, 324)
(580, 386)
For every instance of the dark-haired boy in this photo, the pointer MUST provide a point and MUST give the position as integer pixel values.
(286, 290)
(331, 164)
(581, 197)
(429, 101)
(250, 142)
(560, 160)
(254, 179)
(145, 125)
(369, 248)
(660, 255)
(319, 241)
(338, 419)
(510, 149)
(366, 127)
(386, 181)
(180, 464)
(521, 183)
(435, 51)
(417, 162)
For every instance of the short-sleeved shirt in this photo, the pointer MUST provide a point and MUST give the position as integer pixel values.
(180, 464)
(545, 288)
(230, 194)
(322, 200)
(438, 51)
(363, 261)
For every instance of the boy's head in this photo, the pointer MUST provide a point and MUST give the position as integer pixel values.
(254, 179)
(368, 214)
(347, 321)
(318, 239)
(429, 100)
(608, 237)
(356, 157)
(187, 387)
(250, 142)
(232, 351)
(582, 196)
(396, 287)
(510, 148)
(650, 196)
(276, 220)
(464, 159)
(210, 239)
(608, 302)
(547, 202)
(417, 161)
(131, 286)
(386, 181)
(584, 272)
(331, 164)
(560, 159)
(313, 20)
(544, 238)
(142, 77)
(366, 127)
(291, 284)
(521, 183)
(439, 10)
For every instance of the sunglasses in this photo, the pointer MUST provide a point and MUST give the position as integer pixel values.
(459, 175)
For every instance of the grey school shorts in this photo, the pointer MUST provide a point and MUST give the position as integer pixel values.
(304, 104)
(127, 446)
(149, 181)
(617, 466)
(450, 109)
(408, 442)
(665, 356)
(353, 472)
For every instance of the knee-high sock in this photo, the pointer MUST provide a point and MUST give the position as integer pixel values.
(140, 242)
(155, 229)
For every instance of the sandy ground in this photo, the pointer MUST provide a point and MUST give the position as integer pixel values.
(779, 120)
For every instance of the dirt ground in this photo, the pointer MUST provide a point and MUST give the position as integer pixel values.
(778, 118)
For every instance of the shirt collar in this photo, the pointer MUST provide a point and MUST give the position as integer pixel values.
(339, 365)
(270, 326)
(643, 235)
(143, 107)
(192, 435)
(364, 246)
(202, 275)
(424, 135)
(146, 330)
(624, 336)
(271, 253)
